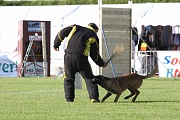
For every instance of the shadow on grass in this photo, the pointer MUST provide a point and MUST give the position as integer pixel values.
(155, 101)
(170, 101)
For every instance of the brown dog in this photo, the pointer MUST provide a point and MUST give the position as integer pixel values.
(119, 84)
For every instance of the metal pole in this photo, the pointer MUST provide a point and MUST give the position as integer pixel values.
(107, 48)
(44, 49)
(100, 30)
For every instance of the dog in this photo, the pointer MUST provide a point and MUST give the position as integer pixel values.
(117, 85)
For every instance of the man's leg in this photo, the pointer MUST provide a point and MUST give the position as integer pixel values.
(69, 79)
(91, 86)
(69, 89)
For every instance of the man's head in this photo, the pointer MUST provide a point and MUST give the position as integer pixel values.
(94, 26)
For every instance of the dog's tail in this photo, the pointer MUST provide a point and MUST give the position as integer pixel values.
(151, 74)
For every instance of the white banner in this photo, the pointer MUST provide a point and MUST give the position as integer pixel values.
(8, 68)
(169, 63)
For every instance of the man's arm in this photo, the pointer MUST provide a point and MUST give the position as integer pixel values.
(60, 37)
(94, 54)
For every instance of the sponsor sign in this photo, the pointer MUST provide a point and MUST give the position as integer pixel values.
(34, 26)
(35, 38)
(169, 63)
(30, 69)
(37, 44)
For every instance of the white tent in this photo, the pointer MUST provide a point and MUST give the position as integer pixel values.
(155, 14)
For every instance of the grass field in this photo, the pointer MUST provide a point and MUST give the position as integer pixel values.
(43, 99)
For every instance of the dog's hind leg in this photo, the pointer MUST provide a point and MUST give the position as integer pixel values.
(106, 96)
(137, 93)
(132, 94)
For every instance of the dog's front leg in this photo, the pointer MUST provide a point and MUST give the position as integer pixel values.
(106, 96)
(117, 97)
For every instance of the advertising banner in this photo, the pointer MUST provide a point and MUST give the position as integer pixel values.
(169, 63)
(30, 69)
(8, 68)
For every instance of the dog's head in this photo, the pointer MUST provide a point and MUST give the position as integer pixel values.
(100, 79)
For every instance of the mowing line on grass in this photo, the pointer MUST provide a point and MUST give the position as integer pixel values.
(30, 92)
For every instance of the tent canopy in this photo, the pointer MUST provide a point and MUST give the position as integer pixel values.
(156, 14)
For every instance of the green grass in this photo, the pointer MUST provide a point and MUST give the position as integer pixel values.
(43, 99)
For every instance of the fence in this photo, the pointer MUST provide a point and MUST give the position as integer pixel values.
(143, 62)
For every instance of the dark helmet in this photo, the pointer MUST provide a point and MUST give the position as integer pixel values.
(93, 25)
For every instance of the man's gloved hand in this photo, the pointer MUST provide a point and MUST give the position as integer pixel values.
(105, 64)
(56, 49)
